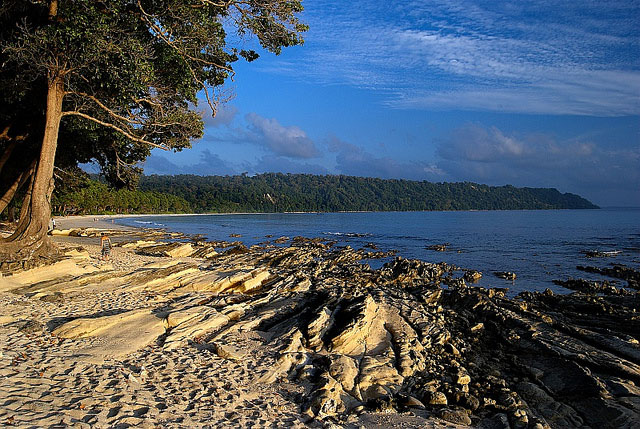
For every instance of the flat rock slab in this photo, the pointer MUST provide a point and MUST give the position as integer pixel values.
(118, 334)
(75, 266)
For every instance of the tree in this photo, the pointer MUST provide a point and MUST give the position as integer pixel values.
(114, 79)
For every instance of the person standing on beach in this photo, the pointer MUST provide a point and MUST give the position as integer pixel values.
(105, 243)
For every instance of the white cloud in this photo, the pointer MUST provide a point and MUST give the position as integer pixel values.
(289, 141)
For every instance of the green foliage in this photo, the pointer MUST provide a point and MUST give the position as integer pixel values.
(97, 198)
(131, 72)
(274, 192)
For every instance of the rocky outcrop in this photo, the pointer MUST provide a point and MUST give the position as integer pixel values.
(617, 271)
(408, 336)
(507, 275)
(590, 287)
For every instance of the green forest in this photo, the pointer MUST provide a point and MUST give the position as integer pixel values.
(94, 197)
(276, 192)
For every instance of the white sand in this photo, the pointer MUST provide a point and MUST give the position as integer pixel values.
(48, 381)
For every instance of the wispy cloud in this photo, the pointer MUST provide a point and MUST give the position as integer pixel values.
(509, 56)
(266, 133)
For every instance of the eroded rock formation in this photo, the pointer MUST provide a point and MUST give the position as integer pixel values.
(408, 336)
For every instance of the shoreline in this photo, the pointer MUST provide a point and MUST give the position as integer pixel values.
(176, 334)
(135, 215)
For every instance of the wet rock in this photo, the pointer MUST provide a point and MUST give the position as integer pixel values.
(600, 254)
(590, 287)
(438, 247)
(472, 276)
(507, 275)
(632, 276)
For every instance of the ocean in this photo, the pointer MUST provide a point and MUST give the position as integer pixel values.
(538, 245)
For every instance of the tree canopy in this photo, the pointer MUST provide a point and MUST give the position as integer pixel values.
(275, 192)
(107, 81)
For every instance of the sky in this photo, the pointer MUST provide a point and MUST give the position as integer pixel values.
(529, 93)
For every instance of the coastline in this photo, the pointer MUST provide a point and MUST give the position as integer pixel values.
(190, 333)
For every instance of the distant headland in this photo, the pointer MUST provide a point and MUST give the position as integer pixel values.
(277, 192)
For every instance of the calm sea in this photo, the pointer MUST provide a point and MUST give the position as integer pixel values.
(539, 246)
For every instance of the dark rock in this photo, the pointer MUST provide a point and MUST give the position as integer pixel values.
(457, 416)
(618, 271)
(590, 287)
(472, 276)
(236, 250)
(31, 326)
(439, 247)
(507, 275)
(499, 421)
(599, 254)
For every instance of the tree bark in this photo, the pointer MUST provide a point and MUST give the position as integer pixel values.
(15, 187)
(30, 237)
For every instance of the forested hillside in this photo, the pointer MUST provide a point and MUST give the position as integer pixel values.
(275, 192)
(97, 198)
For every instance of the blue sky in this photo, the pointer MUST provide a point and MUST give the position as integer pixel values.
(529, 93)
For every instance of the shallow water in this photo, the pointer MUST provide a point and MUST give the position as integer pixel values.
(539, 246)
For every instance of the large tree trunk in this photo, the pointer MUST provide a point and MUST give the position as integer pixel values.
(30, 237)
(16, 186)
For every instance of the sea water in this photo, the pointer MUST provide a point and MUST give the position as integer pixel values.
(538, 245)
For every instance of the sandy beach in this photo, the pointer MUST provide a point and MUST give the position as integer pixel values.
(172, 332)
(52, 381)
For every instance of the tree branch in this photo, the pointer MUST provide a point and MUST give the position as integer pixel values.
(114, 127)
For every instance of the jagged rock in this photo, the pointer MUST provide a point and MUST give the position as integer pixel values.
(356, 338)
(623, 272)
(591, 287)
(188, 324)
(179, 250)
(472, 276)
(318, 328)
(331, 400)
(463, 378)
(499, 421)
(437, 398)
